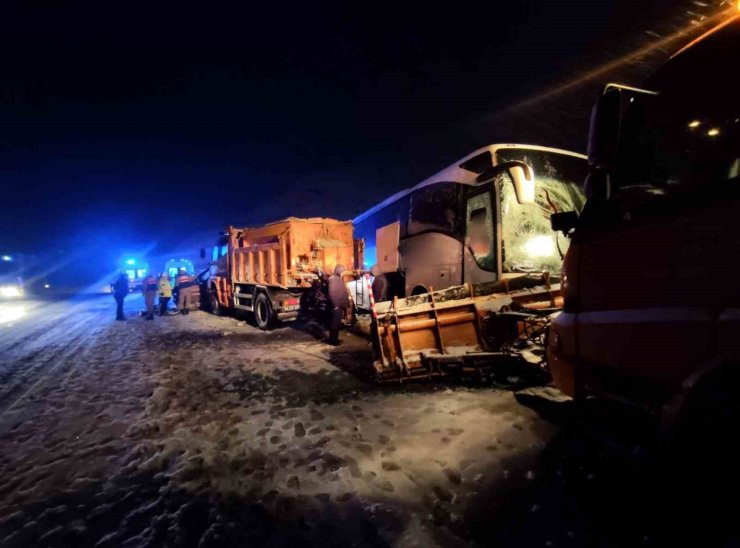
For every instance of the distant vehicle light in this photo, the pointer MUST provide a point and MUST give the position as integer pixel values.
(11, 313)
(540, 246)
(713, 132)
(131, 261)
(694, 124)
(7, 258)
(47, 286)
(10, 291)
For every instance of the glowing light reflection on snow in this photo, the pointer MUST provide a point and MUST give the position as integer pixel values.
(11, 312)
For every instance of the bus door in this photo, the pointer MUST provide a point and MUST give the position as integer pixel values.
(481, 252)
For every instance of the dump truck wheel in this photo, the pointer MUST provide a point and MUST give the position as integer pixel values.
(263, 314)
(216, 307)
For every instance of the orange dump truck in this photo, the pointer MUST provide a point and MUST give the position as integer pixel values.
(265, 270)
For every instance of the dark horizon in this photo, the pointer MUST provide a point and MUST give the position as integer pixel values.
(134, 128)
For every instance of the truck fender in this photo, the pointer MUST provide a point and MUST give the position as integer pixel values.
(261, 289)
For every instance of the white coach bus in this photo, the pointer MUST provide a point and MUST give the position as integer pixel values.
(484, 218)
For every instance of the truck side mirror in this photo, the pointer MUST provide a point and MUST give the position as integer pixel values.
(603, 135)
(606, 123)
(202, 252)
(564, 222)
(521, 174)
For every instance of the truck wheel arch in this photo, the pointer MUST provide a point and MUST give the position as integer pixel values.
(419, 290)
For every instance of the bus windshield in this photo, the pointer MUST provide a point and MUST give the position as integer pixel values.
(528, 243)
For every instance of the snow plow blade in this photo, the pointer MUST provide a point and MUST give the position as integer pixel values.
(468, 330)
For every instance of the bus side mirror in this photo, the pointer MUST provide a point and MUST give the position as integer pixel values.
(202, 252)
(523, 178)
(521, 174)
(564, 222)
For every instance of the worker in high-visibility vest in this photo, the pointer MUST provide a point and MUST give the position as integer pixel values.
(165, 293)
(149, 288)
(186, 287)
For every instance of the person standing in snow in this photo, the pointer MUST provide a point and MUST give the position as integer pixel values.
(380, 284)
(149, 288)
(120, 290)
(186, 286)
(339, 299)
(165, 293)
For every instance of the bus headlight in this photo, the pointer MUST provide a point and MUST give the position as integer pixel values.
(540, 246)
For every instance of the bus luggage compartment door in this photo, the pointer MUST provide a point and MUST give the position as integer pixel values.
(386, 241)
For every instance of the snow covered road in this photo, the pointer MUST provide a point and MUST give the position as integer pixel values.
(202, 430)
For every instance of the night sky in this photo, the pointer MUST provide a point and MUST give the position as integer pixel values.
(126, 127)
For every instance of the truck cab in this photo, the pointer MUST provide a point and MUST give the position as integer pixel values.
(651, 308)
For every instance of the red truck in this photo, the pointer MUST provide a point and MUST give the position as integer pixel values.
(651, 308)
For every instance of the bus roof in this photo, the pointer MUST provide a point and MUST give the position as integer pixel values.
(456, 173)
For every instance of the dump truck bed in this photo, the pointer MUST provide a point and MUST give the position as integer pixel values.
(289, 253)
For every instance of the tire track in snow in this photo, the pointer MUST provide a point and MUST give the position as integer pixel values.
(65, 347)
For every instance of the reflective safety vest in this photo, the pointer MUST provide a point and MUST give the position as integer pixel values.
(186, 281)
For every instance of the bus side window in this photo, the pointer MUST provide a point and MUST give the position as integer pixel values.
(224, 249)
(214, 254)
(433, 208)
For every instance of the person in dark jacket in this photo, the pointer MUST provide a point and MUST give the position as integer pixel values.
(380, 284)
(339, 299)
(120, 290)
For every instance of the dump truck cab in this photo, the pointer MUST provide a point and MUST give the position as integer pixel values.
(651, 308)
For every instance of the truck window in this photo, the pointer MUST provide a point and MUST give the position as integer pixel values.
(681, 142)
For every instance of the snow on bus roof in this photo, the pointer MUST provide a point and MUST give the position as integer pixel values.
(455, 173)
